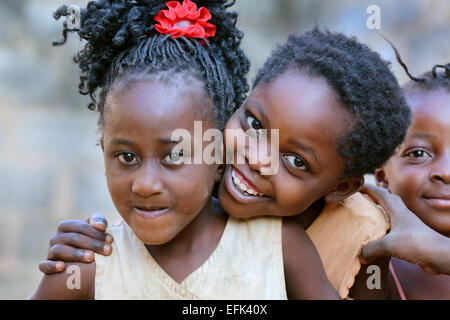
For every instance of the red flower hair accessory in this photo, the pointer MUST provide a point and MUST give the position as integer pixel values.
(185, 20)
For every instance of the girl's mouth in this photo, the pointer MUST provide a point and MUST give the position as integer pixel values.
(150, 212)
(243, 185)
(240, 188)
(440, 202)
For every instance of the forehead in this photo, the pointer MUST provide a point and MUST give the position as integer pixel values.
(431, 112)
(303, 107)
(155, 107)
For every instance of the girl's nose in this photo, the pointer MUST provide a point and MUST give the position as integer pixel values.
(441, 172)
(147, 183)
(257, 154)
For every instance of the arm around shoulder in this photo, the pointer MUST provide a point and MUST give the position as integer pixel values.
(304, 273)
(76, 283)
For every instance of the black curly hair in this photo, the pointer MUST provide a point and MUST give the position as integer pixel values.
(122, 42)
(364, 85)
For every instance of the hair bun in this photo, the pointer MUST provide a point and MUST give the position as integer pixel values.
(113, 28)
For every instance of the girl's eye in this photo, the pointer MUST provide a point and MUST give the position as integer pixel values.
(175, 158)
(127, 158)
(296, 162)
(418, 153)
(253, 123)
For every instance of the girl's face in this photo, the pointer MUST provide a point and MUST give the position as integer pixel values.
(155, 193)
(310, 122)
(419, 172)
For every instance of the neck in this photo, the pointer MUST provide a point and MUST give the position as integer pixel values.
(307, 217)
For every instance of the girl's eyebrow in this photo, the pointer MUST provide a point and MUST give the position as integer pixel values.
(423, 136)
(168, 140)
(305, 148)
(256, 105)
(122, 141)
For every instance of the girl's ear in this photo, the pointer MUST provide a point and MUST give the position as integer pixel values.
(381, 178)
(345, 189)
(219, 173)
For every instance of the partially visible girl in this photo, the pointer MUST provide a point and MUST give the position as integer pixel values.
(409, 238)
(419, 172)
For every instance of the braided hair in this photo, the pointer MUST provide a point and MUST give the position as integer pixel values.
(365, 86)
(431, 80)
(122, 43)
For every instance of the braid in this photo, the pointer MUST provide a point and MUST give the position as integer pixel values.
(430, 80)
(122, 40)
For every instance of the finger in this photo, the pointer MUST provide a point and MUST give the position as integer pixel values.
(374, 250)
(98, 221)
(50, 267)
(80, 241)
(69, 254)
(79, 226)
(392, 204)
(109, 238)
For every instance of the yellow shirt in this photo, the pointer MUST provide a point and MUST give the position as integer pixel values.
(339, 233)
(247, 264)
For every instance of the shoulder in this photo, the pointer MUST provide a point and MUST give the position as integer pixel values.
(348, 224)
(339, 233)
(76, 282)
(356, 211)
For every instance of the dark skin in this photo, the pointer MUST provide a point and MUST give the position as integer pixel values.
(409, 238)
(419, 173)
(309, 175)
(167, 203)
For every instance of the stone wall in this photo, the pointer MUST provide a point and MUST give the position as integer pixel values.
(50, 166)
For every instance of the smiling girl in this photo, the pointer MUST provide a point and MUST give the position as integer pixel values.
(419, 173)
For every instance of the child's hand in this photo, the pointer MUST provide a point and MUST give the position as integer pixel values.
(72, 237)
(409, 238)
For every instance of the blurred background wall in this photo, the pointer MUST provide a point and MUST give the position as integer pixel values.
(50, 166)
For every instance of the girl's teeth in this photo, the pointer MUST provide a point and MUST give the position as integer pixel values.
(242, 186)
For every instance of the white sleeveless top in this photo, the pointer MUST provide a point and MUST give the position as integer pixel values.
(247, 264)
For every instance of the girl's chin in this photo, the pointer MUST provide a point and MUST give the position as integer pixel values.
(151, 234)
(153, 240)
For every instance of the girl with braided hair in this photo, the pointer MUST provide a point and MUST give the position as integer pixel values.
(160, 67)
(419, 173)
